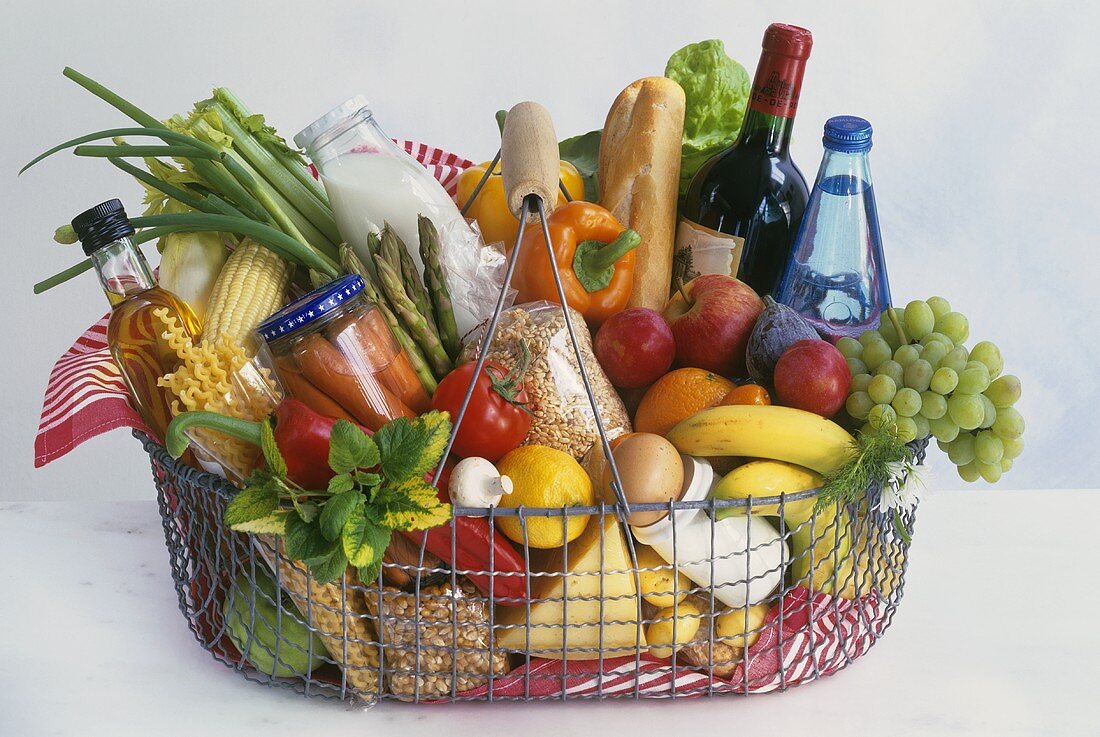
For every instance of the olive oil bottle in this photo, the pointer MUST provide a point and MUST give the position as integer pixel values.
(136, 333)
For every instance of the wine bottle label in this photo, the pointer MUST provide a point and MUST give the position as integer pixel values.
(700, 250)
(777, 85)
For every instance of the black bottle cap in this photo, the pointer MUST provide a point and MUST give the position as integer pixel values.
(102, 225)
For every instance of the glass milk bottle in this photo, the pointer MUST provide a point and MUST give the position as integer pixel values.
(370, 181)
(836, 276)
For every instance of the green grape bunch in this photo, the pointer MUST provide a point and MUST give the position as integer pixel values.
(932, 385)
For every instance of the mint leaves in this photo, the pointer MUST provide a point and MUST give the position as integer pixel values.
(378, 486)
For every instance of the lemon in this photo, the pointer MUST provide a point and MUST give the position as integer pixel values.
(544, 477)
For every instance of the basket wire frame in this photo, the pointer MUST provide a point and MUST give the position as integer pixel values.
(441, 640)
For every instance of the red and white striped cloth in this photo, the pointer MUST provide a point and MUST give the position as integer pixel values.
(85, 396)
(820, 634)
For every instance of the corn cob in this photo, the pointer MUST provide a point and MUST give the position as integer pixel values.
(250, 287)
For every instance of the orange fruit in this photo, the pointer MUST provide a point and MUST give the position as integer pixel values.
(678, 395)
(747, 394)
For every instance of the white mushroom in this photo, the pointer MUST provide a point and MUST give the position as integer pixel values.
(476, 482)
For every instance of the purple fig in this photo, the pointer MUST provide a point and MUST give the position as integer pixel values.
(777, 328)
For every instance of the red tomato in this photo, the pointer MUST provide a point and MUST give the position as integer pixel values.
(496, 420)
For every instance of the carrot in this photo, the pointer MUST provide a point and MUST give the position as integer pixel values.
(348, 381)
(299, 387)
(369, 335)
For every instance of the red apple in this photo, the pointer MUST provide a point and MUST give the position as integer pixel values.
(813, 375)
(635, 347)
(711, 319)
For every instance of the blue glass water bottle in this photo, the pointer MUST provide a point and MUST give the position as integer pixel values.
(836, 275)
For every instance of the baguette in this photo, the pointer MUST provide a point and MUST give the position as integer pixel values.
(639, 175)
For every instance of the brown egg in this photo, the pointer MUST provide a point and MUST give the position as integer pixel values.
(651, 471)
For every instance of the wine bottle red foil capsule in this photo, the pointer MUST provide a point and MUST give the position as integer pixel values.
(778, 80)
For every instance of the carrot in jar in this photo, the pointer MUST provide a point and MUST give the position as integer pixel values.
(300, 388)
(349, 381)
(369, 335)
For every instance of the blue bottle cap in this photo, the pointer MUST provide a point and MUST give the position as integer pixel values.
(310, 308)
(847, 134)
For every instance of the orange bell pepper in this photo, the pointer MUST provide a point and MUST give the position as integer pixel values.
(490, 209)
(595, 257)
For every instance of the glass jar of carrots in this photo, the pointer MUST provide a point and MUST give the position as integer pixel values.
(334, 351)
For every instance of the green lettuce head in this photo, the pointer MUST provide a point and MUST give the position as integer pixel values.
(717, 90)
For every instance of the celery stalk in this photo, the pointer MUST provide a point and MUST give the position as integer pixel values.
(272, 201)
(290, 158)
(302, 198)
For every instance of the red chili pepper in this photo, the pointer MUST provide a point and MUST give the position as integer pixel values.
(301, 434)
(474, 543)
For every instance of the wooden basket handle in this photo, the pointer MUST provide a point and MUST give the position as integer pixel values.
(529, 156)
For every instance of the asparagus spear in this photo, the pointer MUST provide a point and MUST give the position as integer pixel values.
(355, 265)
(395, 251)
(412, 319)
(437, 286)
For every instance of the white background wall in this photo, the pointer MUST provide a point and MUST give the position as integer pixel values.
(985, 155)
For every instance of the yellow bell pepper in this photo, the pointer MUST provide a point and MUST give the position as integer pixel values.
(490, 209)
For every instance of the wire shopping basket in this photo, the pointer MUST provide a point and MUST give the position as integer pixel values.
(802, 593)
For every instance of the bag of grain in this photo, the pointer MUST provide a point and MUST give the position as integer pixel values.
(563, 416)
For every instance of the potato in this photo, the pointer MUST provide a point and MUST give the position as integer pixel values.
(659, 587)
(731, 627)
(673, 625)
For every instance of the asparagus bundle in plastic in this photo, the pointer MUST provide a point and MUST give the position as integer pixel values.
(395, 252)
(413, 320)
(437, 286)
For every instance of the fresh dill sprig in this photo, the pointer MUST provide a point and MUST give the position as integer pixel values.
(878, 453)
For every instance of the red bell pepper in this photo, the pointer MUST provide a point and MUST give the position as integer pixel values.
(477, 547)
(301, 434)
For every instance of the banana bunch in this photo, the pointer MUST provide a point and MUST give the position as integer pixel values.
(828, 553)
(765, 431)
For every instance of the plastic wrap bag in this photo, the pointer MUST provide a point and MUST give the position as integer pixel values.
(474, 271)
(563, 417)
(441, 645)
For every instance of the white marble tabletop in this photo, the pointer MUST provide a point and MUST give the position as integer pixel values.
(997, 635)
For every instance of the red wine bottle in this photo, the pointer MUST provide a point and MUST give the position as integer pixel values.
(745, 204)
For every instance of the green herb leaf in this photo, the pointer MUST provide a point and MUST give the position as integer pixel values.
(350, 448)
(583, 152)
(255, 502)
(304, 540)
(341, 483)
(412, 504)
(435, 428)
(367, 479)
(271, 449)
(874, 451)
(273, 524)
(306, 510)
(364, 541)
(400, 443)
(330, 567)
(336, 512)
(368, 574)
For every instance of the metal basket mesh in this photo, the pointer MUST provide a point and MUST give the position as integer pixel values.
(441, 638)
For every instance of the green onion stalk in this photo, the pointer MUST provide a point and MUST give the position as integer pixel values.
(238, 176)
